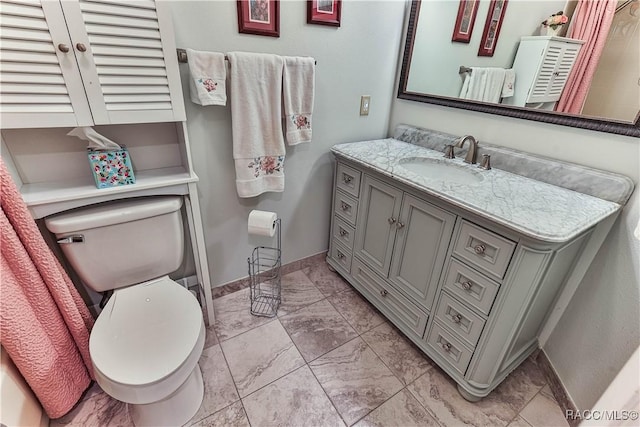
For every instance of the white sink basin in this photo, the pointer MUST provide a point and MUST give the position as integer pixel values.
(442, 170)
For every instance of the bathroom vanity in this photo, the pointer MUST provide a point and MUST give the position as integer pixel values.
(466, 262)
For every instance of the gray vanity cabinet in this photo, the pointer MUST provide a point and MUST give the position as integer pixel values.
(422, 237)
(402, 238)
(468, 292)
(377, 218)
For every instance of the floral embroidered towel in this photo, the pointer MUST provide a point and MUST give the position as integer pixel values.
(508, 88)
(256, 122)
(298, 90)
(208, 74)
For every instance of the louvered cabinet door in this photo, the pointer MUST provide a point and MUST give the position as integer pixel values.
(40, 84)
(127, 58)
(557, 61)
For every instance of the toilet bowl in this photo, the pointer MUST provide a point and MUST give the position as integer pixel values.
(146, 342)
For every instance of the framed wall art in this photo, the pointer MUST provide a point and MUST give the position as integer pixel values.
(489, 40)
(467, 11)
(324, 12)
(261, 17)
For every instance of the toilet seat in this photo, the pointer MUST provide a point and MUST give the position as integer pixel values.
(147, 335)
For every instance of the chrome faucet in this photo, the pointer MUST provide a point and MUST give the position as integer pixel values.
(473, 146)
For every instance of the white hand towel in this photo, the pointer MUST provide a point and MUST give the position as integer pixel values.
(483, 84)
(298, 90)
(509, 83)
(256, 122)
(207, 84)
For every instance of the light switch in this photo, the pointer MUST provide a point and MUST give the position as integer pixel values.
(365, 100)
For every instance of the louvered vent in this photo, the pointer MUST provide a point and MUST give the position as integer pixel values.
(31, 80)
(127, 50)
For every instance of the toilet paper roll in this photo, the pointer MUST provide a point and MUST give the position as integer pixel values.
(262, 223)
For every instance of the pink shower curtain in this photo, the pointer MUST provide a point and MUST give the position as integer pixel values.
(591, 22)
(44, 323)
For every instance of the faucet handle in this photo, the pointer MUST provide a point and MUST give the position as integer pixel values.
(486, 162)
(448, 153)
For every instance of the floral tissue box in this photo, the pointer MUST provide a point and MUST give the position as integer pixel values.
(111, 168)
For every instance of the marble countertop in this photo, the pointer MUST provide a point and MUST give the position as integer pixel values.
(535, 209)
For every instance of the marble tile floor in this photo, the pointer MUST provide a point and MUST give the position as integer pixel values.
(330, 359)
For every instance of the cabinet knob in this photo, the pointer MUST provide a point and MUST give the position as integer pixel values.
(343, 232)
(347, 178)
(345, 207)
(467, 285)
(391, 220)
(446, 347)
(63, 48)
(81, 47)
(340, 255)
(384, 292)
(479, 249)
(457, 318)
(400, 224)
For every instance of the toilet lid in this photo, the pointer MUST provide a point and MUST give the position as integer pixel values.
(145, 332)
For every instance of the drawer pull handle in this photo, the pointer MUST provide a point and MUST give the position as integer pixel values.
(400, 225)
(467, 285)
(343, 232)
(384, 292)
(446, 347)
(479, 249)
(391, 220)
(457, 318)
(341, 255)
(345, 207)
(63, 48)
(347, 178)
(81, 47)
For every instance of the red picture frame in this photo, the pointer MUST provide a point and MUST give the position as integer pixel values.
(467, 11)
(492, 25)
(260, 17)
(324, 12)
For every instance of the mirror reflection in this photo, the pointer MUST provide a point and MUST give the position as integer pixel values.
(575, 57)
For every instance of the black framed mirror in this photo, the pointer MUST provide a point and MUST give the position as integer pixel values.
(415, 41)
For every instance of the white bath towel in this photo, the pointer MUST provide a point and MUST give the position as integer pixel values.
(483, 84)
(207, 85)
(256, 121)
(298, 90)
(509, 85)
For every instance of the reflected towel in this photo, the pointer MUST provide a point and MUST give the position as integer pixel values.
(483, 84)
(508, 88)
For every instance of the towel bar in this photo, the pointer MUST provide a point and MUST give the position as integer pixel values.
(462, 69)
(182, 56)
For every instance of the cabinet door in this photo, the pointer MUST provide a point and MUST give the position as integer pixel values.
(376, 225)
(40, 83)
(423, 236)
(557, 62)
(127, 59)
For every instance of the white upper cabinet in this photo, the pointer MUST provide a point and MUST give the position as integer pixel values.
(74, 63)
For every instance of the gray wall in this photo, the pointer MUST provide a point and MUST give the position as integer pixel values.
(359, 58)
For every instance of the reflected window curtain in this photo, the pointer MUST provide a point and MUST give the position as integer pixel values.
(591, 22)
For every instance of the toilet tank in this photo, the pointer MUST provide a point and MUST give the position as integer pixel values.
(122, 243)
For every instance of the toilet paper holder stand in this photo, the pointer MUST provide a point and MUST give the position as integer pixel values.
(265, 277)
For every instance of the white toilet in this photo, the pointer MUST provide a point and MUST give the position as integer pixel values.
(147, 340)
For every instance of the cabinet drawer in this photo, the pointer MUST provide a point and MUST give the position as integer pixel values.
(449, 347)
(484, 249)
(394, 306)
(343, 233)
(348, 179)
(346, 207)
(465, 323)
(470, 286)
(341, 255)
